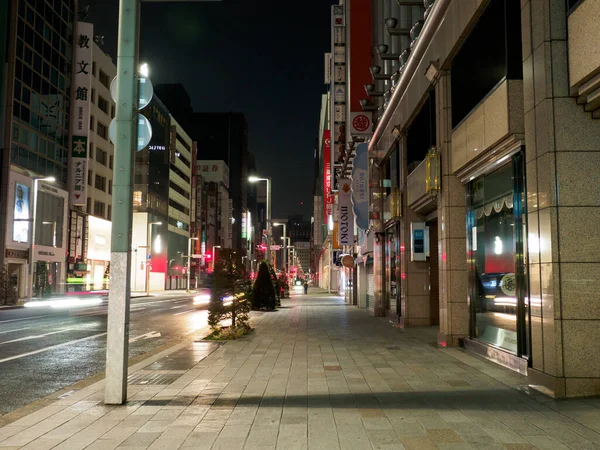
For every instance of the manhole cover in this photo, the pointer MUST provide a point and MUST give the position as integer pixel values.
(152, 378)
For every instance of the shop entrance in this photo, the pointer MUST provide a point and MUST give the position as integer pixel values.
(497, 283)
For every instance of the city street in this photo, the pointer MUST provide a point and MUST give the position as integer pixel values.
(45, 349)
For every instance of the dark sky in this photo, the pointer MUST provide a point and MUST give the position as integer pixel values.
(262, 58)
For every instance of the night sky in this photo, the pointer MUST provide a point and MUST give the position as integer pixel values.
(261, 58)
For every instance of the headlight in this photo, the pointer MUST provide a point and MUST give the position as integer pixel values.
(202, 299)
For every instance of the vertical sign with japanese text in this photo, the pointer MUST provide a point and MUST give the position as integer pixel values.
(80, 111)
(338, 90)
(328, 198)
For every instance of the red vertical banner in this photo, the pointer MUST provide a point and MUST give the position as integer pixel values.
(328, 198)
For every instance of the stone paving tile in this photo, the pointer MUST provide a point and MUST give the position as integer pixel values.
(319, 374)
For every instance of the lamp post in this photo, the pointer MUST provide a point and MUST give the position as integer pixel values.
(214, 255)
(254, 179)
(149, 246)
(36, 180)
(284, 259)
(189, 256)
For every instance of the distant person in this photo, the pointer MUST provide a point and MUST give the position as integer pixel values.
(305, 287)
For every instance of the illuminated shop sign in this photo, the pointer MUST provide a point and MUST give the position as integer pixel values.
(21, 214)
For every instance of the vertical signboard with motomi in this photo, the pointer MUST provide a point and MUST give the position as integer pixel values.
(80, 111)
(346, 214)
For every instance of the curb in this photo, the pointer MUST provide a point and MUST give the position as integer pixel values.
(6, 307)
(134, 364)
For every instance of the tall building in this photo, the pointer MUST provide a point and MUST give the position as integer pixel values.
(473, 203)
(91, 174)
(36, 93)
(162, 203)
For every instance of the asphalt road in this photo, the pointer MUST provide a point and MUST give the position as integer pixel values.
(45, 349)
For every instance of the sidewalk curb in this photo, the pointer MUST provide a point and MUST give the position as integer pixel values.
(8, 307)
(134, 364)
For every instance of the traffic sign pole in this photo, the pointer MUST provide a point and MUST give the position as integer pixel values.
(117, 346)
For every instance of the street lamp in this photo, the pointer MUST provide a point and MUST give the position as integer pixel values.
(189, 256)
(149, 243)
(276, 224)
(214, 255)
(36, 180)
(254, 179)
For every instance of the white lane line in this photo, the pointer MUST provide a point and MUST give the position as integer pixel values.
(26, 318)
(28, 338)
(52, 347)
(16, 329)
(177, 307)
(184, 312)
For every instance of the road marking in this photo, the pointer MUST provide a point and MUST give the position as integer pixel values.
(28, 338)
(17, 329)
(26, 318)
(150, 335)
(184, 312)
(177, 307)
(52, 347)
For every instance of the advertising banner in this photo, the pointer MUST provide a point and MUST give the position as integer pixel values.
(80, 112)
(345, 215)
(360, 186)
(21, 214)
(328, 198)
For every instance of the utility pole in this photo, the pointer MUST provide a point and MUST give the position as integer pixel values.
(117, 345)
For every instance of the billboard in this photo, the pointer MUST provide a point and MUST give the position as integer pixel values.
(345, 213)
(21, 214)
(328, 198)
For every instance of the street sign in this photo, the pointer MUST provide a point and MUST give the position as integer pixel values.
(275, 247)
(144, 132)
(145, 94)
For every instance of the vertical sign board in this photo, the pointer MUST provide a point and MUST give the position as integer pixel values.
(417, 241)
(80, 112)
(345, 214)
(328, 198)
(360, 122)
(338, 90)
(360, 186)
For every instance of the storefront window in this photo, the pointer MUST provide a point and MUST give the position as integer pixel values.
(493, 244)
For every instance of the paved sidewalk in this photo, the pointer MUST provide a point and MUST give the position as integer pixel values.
(318, 374)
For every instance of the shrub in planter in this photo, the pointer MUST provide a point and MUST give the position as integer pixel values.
(229, 307)
(263, 291)
(277, 286)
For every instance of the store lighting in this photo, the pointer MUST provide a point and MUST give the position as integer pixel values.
(498, 245)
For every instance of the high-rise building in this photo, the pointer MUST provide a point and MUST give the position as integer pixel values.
(36, 92)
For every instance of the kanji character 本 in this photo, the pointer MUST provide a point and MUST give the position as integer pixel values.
(83, 41)
(81, 93)
(79, 147)
(83, 67)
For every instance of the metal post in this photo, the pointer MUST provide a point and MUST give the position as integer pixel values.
(268, 219)
(284, 249)
(32, 252)
(189, 255)
(117, 345)
(149, 252)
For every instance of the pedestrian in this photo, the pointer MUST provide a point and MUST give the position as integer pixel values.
(305, 287)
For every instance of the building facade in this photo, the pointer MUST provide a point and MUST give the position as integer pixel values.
(478, 169)
(36, 93)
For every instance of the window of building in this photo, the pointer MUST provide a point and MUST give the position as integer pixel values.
(91, 149)
(100, 183)
(103, 78)
(137, 198)
(102, 130)
(99, 208)
(90, 175)
(94, 68)
(103, 104)
(179, 190)
(110, 187)
(89, 205)
(179, 207)
(91, 123)
(93, 98)
(112, 112)
(101, 156)
(109, 213)
(110, 162)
